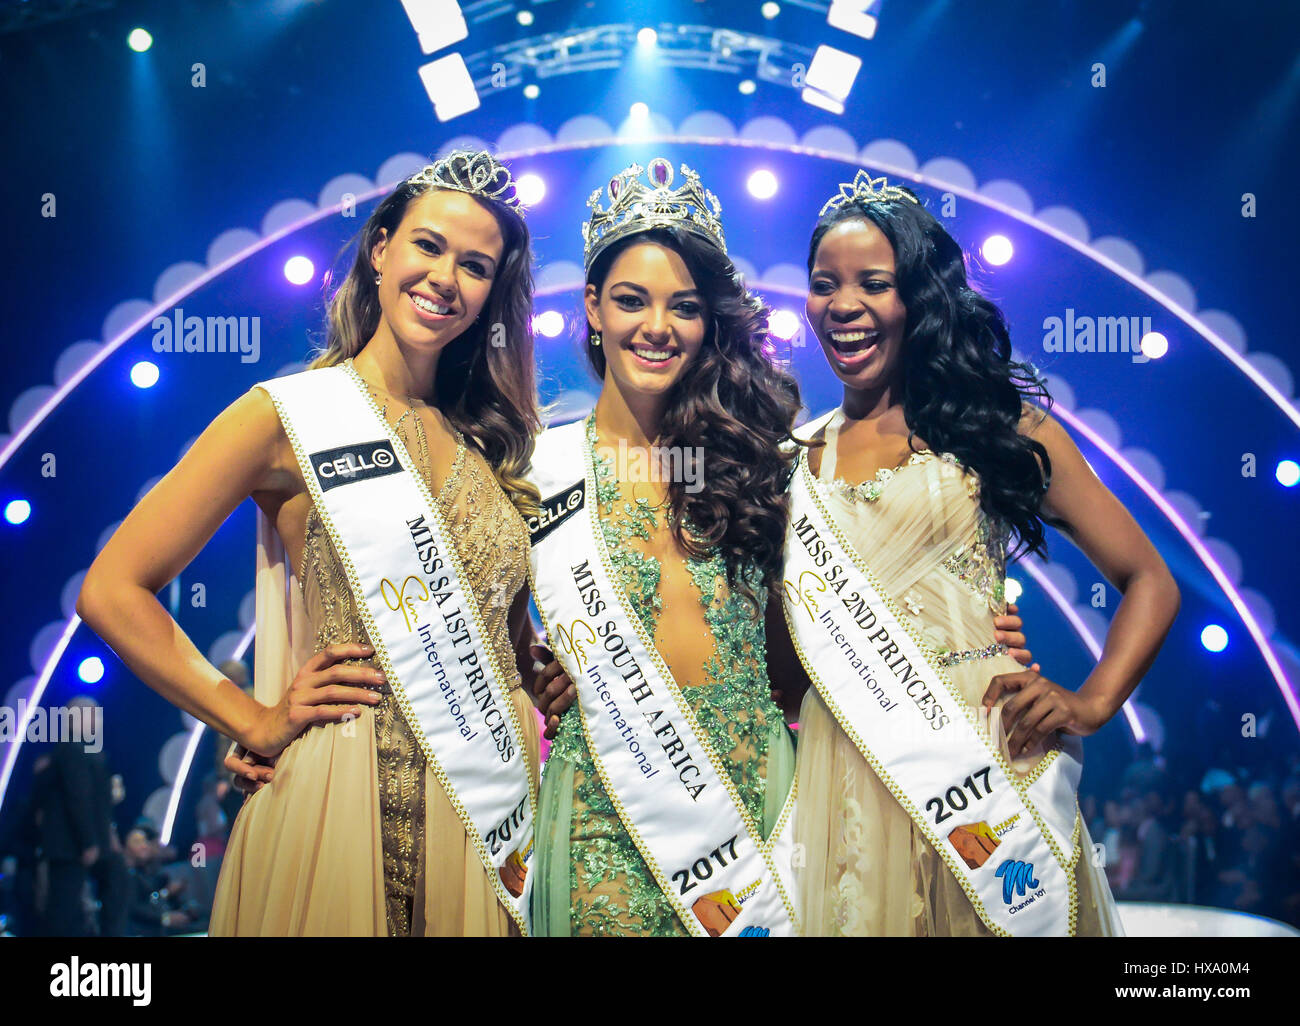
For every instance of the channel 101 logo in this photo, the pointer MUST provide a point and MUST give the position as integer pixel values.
(1016, 877)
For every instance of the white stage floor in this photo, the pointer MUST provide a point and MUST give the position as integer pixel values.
(1142, 919)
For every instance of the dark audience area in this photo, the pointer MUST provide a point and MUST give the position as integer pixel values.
(1216, 834)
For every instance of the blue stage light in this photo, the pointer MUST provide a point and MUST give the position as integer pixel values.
(549, 323)
(139, 40)
(530, 188)
(18, 510)
(997, 249)
(762, 184)
(1154, 345)
(1214, 638)
(299, 270)
(144, 374)
(1288, 473)
(91, 670)
(784, 324)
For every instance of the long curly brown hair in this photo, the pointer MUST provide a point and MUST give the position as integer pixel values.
(737, 407)
(486, 383)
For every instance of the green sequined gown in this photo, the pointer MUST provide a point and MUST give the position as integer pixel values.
(591, 880)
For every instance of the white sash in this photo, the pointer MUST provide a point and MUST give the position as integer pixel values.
(672, 792)
(425, 625)
(1011, 843)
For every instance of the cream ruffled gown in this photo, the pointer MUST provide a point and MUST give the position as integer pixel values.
(355, 836)
(867, 871)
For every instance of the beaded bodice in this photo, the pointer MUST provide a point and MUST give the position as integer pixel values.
(922, 529)
(714, 645)
(492, 541)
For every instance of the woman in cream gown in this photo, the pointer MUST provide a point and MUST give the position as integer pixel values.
(926, 363)
(868, 870)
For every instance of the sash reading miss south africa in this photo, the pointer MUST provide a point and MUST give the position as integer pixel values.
(1009, 843)
(672, 793)
(424, 623)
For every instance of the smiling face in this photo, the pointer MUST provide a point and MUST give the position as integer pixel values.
(651, 317)
(854, 306)
(438, 266)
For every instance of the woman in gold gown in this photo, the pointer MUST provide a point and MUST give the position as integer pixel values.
(351, 832)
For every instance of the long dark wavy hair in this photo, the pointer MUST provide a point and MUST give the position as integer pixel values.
(737, 406)
(486, 384)
(962, 392)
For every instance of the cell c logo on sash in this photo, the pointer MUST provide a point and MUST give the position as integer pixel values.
(1016, 878)
(555, 510)
(351, 463)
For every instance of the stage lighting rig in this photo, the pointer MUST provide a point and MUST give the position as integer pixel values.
(606, 47)
(823, 76)
(437, 23)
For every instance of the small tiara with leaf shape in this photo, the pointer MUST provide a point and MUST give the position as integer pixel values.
(865, 189)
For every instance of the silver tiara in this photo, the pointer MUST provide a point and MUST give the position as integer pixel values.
(476, 172)
(637, 207)
(865, 189)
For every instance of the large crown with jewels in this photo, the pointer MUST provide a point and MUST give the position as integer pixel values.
(636, 206)
(476, 172)
(865, 189)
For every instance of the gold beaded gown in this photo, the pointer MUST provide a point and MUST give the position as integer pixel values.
(355, 835)
(868, 871)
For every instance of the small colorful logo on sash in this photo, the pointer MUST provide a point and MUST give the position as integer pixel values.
(974, 843)
(514, 871)
(351, 463)
(1017, 877)
(716, 911)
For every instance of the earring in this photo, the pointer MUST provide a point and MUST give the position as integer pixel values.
(595, 339)
(379, 277)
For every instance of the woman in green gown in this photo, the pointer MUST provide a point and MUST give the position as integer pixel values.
(677, 341)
